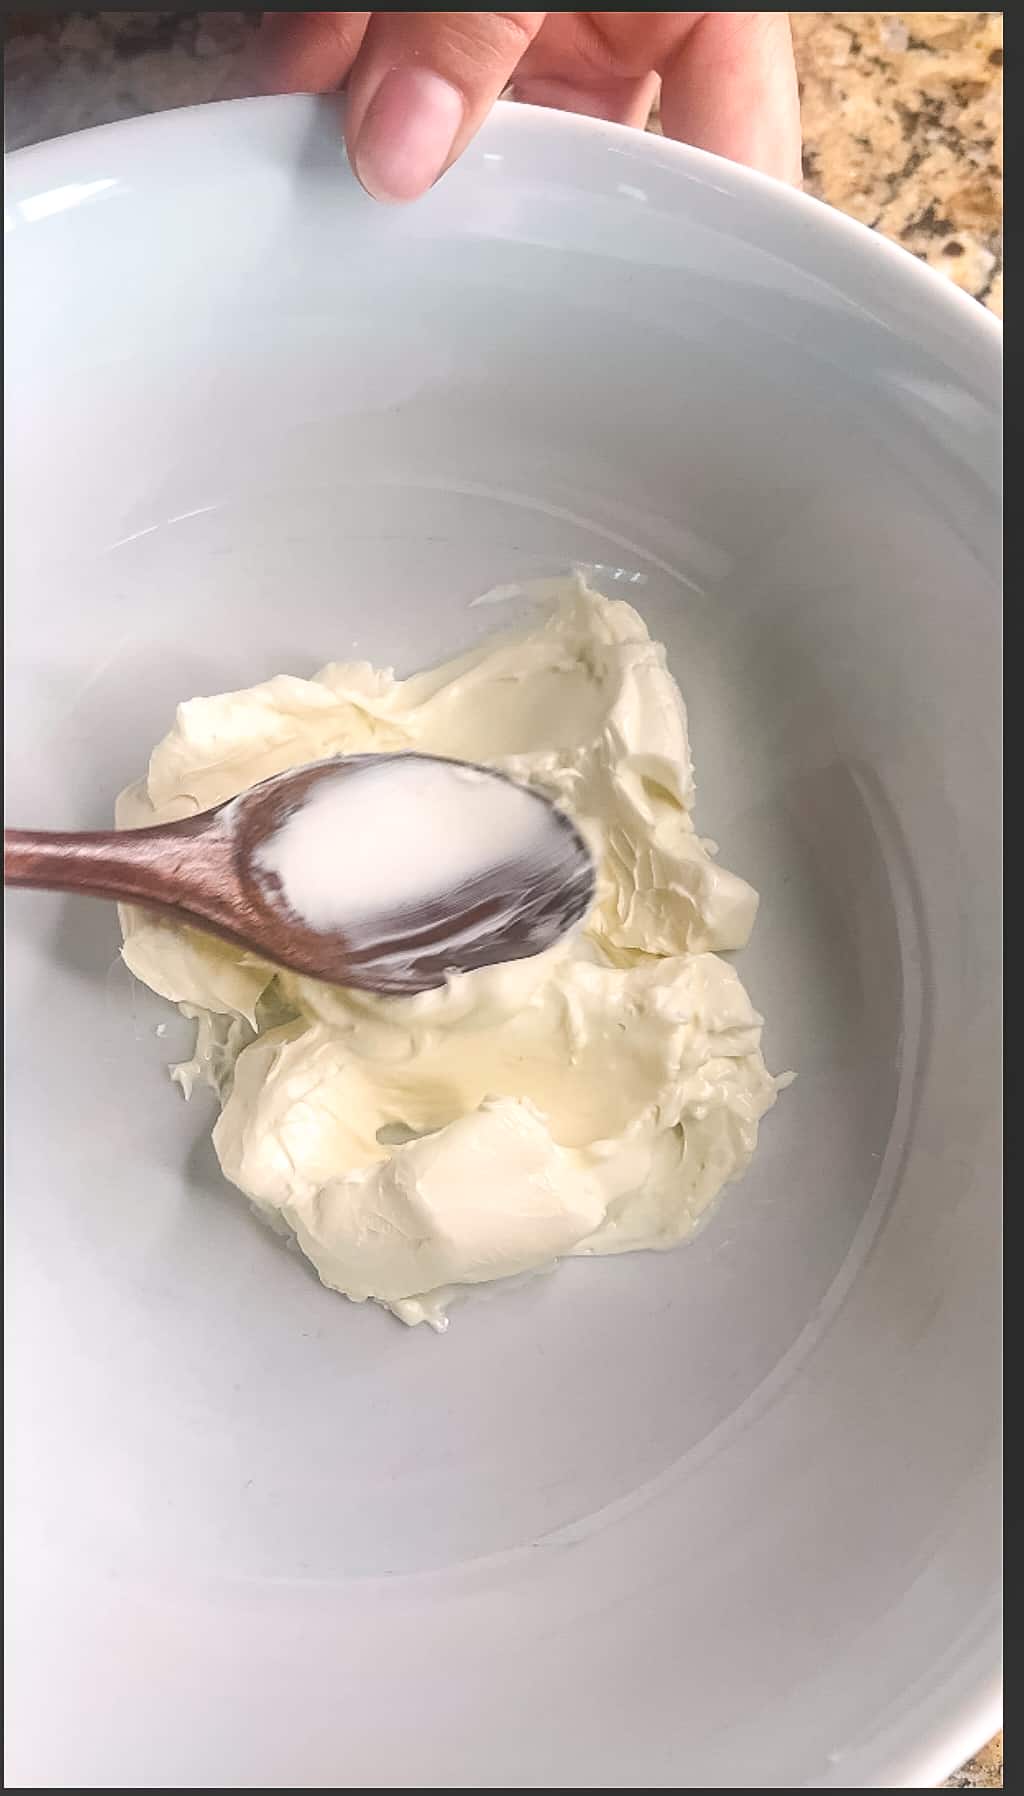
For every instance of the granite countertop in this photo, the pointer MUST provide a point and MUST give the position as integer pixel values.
(902, 117)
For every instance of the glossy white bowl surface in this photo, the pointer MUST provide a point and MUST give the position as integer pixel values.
(727, 1516)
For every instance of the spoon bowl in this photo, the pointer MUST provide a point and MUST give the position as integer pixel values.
(495, 873)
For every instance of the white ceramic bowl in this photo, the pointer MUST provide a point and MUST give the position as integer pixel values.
(724, 1517)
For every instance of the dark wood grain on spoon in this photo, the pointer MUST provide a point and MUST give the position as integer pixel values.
(204, 872)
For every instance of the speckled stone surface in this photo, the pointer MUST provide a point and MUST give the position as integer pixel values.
(902, 116)
(985, 1772)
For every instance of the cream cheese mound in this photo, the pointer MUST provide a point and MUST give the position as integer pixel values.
(594, 1099)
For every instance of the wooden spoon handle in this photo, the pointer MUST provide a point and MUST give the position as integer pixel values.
(168, 865)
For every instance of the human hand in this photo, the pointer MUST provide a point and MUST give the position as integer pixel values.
(420, 84)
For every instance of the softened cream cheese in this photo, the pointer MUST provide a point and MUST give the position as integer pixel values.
(594, 1099)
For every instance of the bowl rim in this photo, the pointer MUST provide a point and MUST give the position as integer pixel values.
(938, 288)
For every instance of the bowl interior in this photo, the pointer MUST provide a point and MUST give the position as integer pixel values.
(724, 1515)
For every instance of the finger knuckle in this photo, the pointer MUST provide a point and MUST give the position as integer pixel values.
(507, 33)
(520, 26)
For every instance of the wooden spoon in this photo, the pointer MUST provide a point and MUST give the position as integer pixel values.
(221, 872)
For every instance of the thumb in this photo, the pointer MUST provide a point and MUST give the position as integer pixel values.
(421, 86)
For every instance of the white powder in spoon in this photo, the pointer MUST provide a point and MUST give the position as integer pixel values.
(382, 840)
